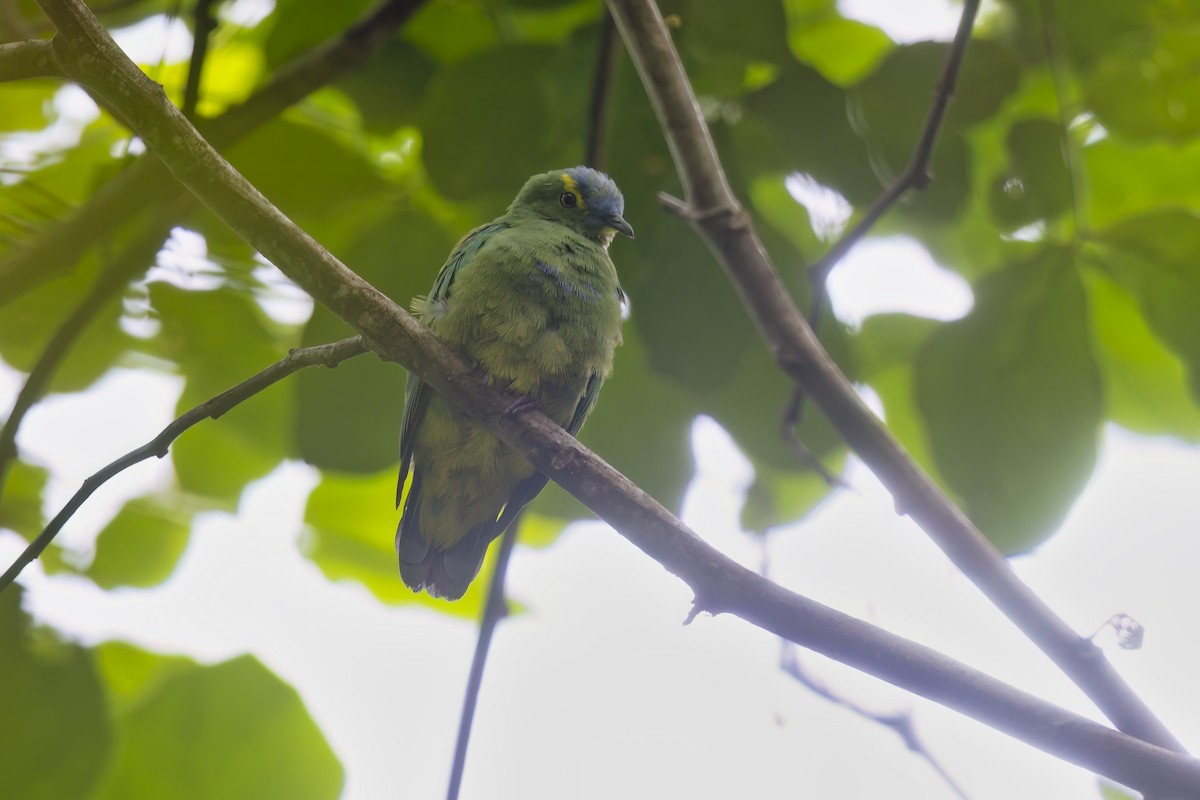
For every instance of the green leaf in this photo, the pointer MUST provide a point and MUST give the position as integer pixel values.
(21, 509)
(1155, 256)
(131, 674)
(843, 50)
(1036, 186)
(142, 544)
(779, 498)
(1126, 180)
(58, 735)
(1146, 88)
(232, 731)
(219, 338)
(475, 30)
(1012, 400)
(891, 106)
(481, 139)
(389, 87)
(26, 104)
(1145, 383)
(298, 26)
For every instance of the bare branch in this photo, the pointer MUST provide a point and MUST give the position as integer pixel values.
(606, 65)
(916, 175)
(494, 610)
(900, 723)
(203, 25)
(329, 355)
(717, 216)
(33, 58)
(90, 56)
(148, 183)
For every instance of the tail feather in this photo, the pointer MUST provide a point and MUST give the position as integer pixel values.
(442, 573)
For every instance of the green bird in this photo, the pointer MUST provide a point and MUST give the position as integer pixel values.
(533, 298)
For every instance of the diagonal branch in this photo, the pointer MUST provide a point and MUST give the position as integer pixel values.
(33, 58)
(718, 217)
(721, 585)
(916, 175)
(147, 183)
(601, 99)
(329, 355)
(128, 263)
(202, 27)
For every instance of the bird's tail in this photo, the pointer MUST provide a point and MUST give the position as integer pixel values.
(442, 573)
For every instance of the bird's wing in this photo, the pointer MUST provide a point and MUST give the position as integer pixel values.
(416, 391)
(528, 489)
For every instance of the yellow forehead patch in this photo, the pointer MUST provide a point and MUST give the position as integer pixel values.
(573, 187)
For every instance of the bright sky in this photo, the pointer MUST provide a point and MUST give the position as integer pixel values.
(598, 691)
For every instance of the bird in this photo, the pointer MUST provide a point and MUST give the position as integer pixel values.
(533, 299)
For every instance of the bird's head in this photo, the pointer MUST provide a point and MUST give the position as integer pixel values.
(583, 199)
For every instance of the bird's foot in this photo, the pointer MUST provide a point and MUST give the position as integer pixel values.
(522, 403)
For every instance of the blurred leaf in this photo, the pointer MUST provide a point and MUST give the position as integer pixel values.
(21, 510)
(141, 545)
(779, 498)
(29, 323)
(475, 29)
(299, 25)
(348, 419)
(843, 50)
(26, 104)
(1126, 181)
(759, 35)
(233, 730)
(131, 674)
(1146, 87)
(58, 735)
(1111, 791)
(301, 168)
(1012, 400)
(482, 139)
(888, 340)
(1145, 383)
(1155, 256)
(353, 521)
(1036, 186)
(388, 89)
(220, 338)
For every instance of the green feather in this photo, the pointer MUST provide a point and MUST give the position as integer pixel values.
(535, 301)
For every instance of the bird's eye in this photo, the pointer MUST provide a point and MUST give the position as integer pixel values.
(568, 199)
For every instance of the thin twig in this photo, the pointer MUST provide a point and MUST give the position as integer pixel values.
(915, 176)
(203, 25)
(602, 80)
(717, 216)
(494, 610)
(147, 183)
(900, 723)
(120, 270)
(329, 355)
(90, 56)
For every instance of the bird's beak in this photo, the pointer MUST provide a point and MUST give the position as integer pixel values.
(618, 223)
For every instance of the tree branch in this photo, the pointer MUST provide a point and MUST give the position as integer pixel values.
(916, 175)
(329, 355)
(33, 58)
(494, 610)
(203, 25)
(717, 216)
(147, 183)
(601, 98)
(721, 585)
(120, 271)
